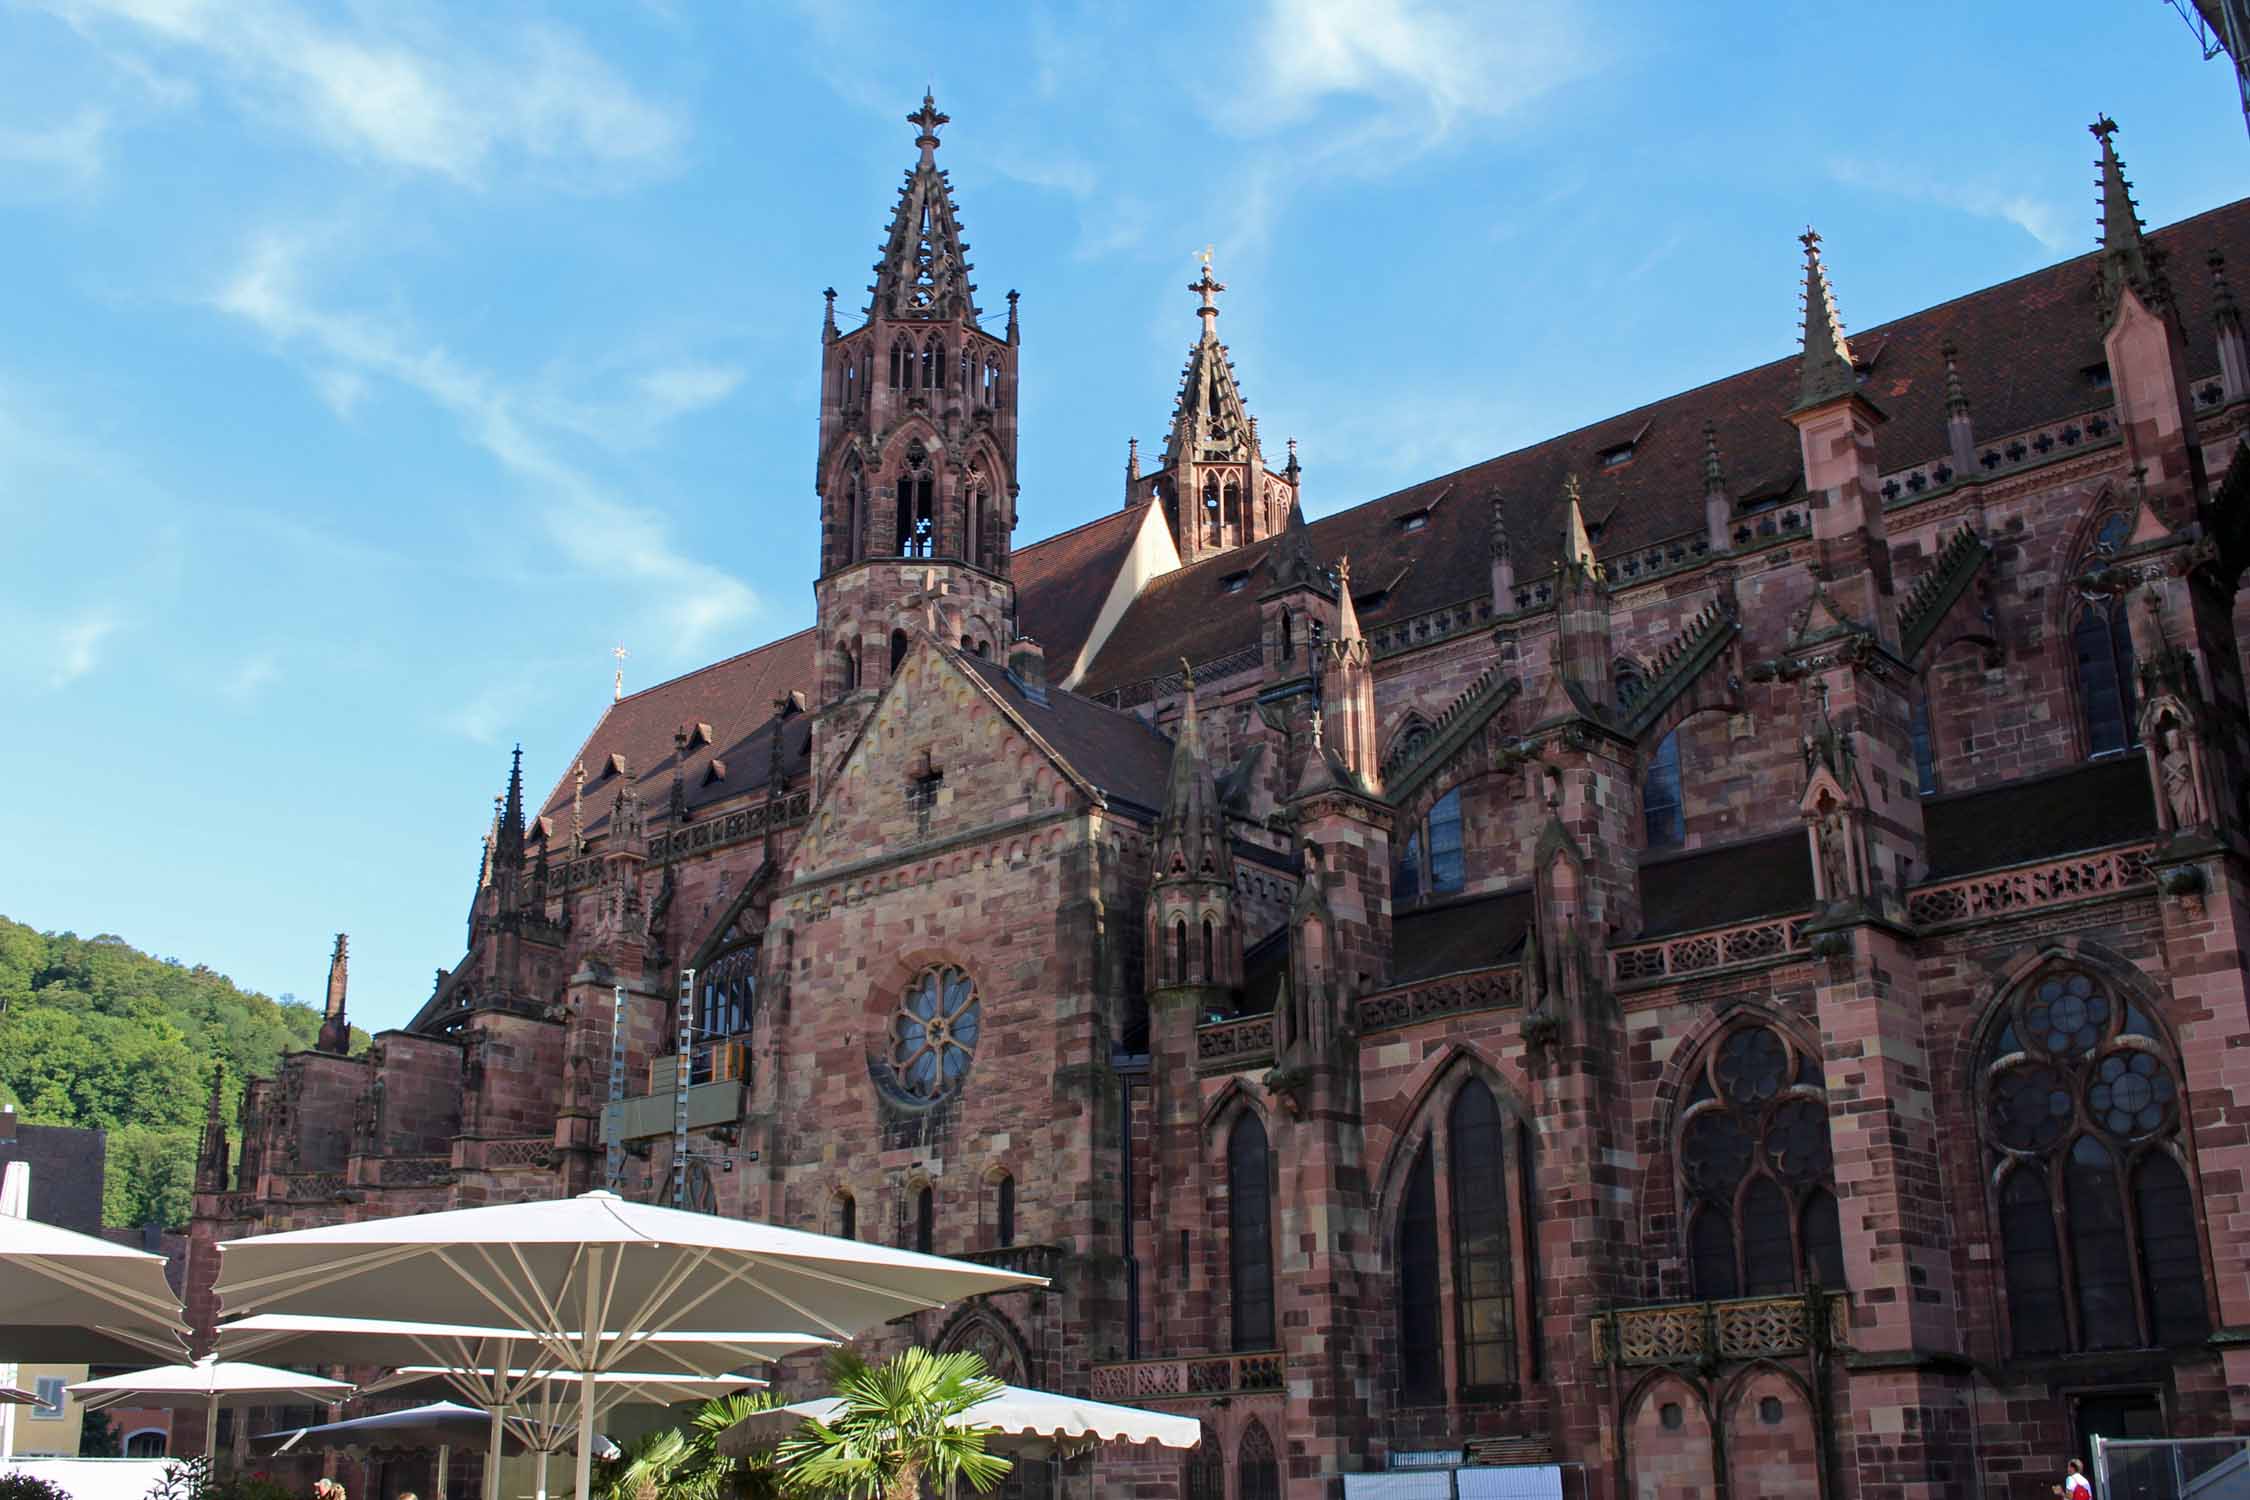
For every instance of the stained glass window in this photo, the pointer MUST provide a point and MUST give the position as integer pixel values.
(1421, 1355)
(1483, 1268)
(1258, 1474)
(2081, 1103)
(1756, 1170)
(934, 1033)
(2105, 678)
(1662, 811)
(1250, 1233)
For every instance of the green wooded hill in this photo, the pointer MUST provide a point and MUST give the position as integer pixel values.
(96, 1033)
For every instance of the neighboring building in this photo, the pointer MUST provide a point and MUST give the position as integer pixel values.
(1709, 952)
(54, 1175)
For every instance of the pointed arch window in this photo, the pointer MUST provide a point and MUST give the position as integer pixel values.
(898, 650)
(1925, 750)
(933, 364)
(917, 504)
(727, 994)
(1257, 1471)
(1250, 1233)
(1420, 1338)
(1231, 510)
(1757, 1180)
(1463, 1201)
(1004, 1211)
(2104, 649)
(1663, 814)
(1433, 861)
(2080, 1106)
(847, 1217)
(1204, 1476)
(992, 381)
(902, 363)
(1483, 1268)
(925, 1219)
(1179, 951)
(1210, 945)
(1211, 512)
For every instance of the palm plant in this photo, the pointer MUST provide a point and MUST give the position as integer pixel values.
(674, 1463)
(899, 1424)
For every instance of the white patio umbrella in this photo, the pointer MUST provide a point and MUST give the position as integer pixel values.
(594, 1265)
(444, 1426)
(15, 1395)
(489, 1357)
(205, 1386)
(540, 1406)
(1021, 1420)
(72, 1298)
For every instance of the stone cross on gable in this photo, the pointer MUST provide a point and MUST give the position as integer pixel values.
(617, 689)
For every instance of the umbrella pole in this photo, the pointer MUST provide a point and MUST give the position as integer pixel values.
(540, 1480)
(444, 1453)
(591, 1357)
(211, 1438)
(492, 1457)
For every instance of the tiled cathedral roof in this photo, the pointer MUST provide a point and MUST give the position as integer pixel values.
(2026, 349)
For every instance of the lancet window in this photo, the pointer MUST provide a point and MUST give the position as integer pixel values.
(2104, 650)
(1663, 812)
(1432, 861)
(1471, 1234)
(1250, 1232)
(1257, 1470)
(2081, 1104)
(917, 504)
(1757, 1178)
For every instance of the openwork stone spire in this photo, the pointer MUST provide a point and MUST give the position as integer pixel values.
(2127, 258)
(924, 272)
(1826, 371)
(335, 1030)
(1209, 419)
(1191, 842)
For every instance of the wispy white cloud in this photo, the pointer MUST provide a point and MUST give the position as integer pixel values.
(2039, 218)
(77, 643)
(1416, 71)
(1111, 220)
(677, 390)
(74, 148)
(342, 389)
(440, 94)
(626, 545)
(248, 677)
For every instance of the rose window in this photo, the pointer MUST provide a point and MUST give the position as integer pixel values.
(934, 1034)
(2131, 1094)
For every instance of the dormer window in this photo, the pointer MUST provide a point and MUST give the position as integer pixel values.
(616, 766)
(1615, 456)
(716, 771)
(700, 736)
(1235, 583)
(1414, 520)
(2096, 375)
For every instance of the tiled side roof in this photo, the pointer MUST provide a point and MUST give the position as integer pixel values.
(735, 697)
(1472, 934)
(2025, 349)
(1120, 753)
(1062, 581)
(1761, 877)
(1060, 584)
(2041, 817)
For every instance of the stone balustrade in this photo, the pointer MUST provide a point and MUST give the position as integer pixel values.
(2025, 887)
(1737, 1329)
(1143, 1380)
(1714, 948)
(1231, 1046)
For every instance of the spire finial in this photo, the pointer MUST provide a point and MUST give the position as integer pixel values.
(1132, 458)
(927, 119)
(2222, 295)
(1714, 472)
(1499, 529)
(1956, 399)
(1578, 543)
(2127, 260)
(1825, 372)
(828, 319)
(617, 689)
(1207, 287)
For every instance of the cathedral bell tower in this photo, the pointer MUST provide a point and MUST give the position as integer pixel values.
(917, 469)
(1215, 487)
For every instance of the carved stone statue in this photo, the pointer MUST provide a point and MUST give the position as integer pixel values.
(2176, 773)
(1835, 852)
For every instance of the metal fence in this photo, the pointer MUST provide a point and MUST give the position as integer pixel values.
(2172, 1468)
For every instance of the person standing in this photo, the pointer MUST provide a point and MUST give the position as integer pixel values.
(2075, 1485)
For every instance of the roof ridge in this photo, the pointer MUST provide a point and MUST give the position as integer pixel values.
(1885, 329)
(1102, 519)
(711, 666)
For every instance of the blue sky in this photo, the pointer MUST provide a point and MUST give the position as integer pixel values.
(368, 372)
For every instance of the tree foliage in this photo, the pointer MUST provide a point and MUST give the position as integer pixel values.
(97, 1034)
(899, 1425)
